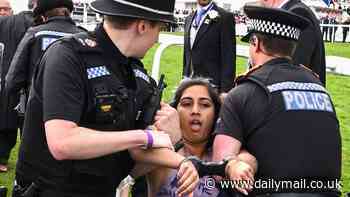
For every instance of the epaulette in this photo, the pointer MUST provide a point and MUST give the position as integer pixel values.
(311, 71)
(86, 39)
(244, 76)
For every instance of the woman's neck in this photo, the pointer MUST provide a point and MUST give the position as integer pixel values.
(197, 150)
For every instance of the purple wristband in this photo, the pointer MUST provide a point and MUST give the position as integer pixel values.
(149, 139)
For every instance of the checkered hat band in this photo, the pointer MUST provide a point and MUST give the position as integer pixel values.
(274, 28)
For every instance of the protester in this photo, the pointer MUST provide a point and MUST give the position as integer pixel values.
(280, 112)
(198, 104)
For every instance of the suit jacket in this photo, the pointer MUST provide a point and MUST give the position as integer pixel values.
(213, 54)
(310, 50)
(12, 30)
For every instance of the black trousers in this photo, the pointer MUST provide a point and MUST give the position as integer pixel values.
(345, 33)
(325, 33)
(8, 140)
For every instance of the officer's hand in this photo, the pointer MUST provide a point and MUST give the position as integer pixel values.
(187, 178)
(242, 175)
(161, 140)
(167, 120)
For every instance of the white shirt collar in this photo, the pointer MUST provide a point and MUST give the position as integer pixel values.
(283, 3)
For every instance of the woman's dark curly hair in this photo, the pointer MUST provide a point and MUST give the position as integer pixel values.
(213, 93)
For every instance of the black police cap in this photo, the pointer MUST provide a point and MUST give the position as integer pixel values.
(155, 10)
(46, 5)
(275, 22)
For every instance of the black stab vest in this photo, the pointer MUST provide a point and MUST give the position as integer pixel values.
(111, 106)
(299, 125)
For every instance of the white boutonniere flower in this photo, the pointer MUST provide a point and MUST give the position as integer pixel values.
(213, 14)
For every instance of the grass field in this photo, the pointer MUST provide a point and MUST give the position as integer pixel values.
(338, 86)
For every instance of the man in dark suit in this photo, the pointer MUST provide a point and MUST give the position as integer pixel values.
(12, 30)
(210, 46)
(310, 49)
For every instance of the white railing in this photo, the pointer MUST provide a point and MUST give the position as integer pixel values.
(336, 30)
(241, 30)
(334, 64)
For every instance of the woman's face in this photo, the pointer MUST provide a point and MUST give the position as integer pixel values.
(196, 111)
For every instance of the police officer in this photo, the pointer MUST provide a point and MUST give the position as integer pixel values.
(84, 125)
(280, 113)
(56, 22)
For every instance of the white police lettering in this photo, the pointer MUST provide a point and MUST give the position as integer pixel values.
(307, 100)
(46, 42)
(97, 72)
(140, 74)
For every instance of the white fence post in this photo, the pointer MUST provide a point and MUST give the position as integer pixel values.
(165, 41)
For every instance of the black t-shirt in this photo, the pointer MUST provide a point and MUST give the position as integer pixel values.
(59, 92)
(242, 111)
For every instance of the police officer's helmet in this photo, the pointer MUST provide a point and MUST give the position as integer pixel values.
(46, 5)
(155, 10)
(273, 21)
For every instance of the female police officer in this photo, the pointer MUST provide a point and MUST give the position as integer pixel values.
(86, 101)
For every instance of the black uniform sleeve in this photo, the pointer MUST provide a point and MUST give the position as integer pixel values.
(229, 122)
(16, 77)
(63, 84)
(228, 52)
(242, 111)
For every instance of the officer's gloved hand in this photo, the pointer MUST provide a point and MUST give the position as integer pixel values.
(187, 178)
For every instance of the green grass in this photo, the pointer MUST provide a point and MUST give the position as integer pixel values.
(7, 178)
(338, 49)
(338, 86)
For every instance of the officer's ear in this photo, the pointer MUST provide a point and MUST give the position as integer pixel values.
(141, 26)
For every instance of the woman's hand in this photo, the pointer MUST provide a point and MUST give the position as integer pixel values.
(187, 178)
